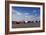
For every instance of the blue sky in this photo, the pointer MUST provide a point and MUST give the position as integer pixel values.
(25, 13)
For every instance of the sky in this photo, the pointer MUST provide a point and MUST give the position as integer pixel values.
(25, 13)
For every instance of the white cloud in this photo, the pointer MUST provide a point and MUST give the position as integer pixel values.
(16, 12)
(32, 18)
(21, 17)
(17, 16)
(26, 13)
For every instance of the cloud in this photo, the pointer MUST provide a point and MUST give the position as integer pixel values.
(18, 16)
(16, 12)
(32, 18)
